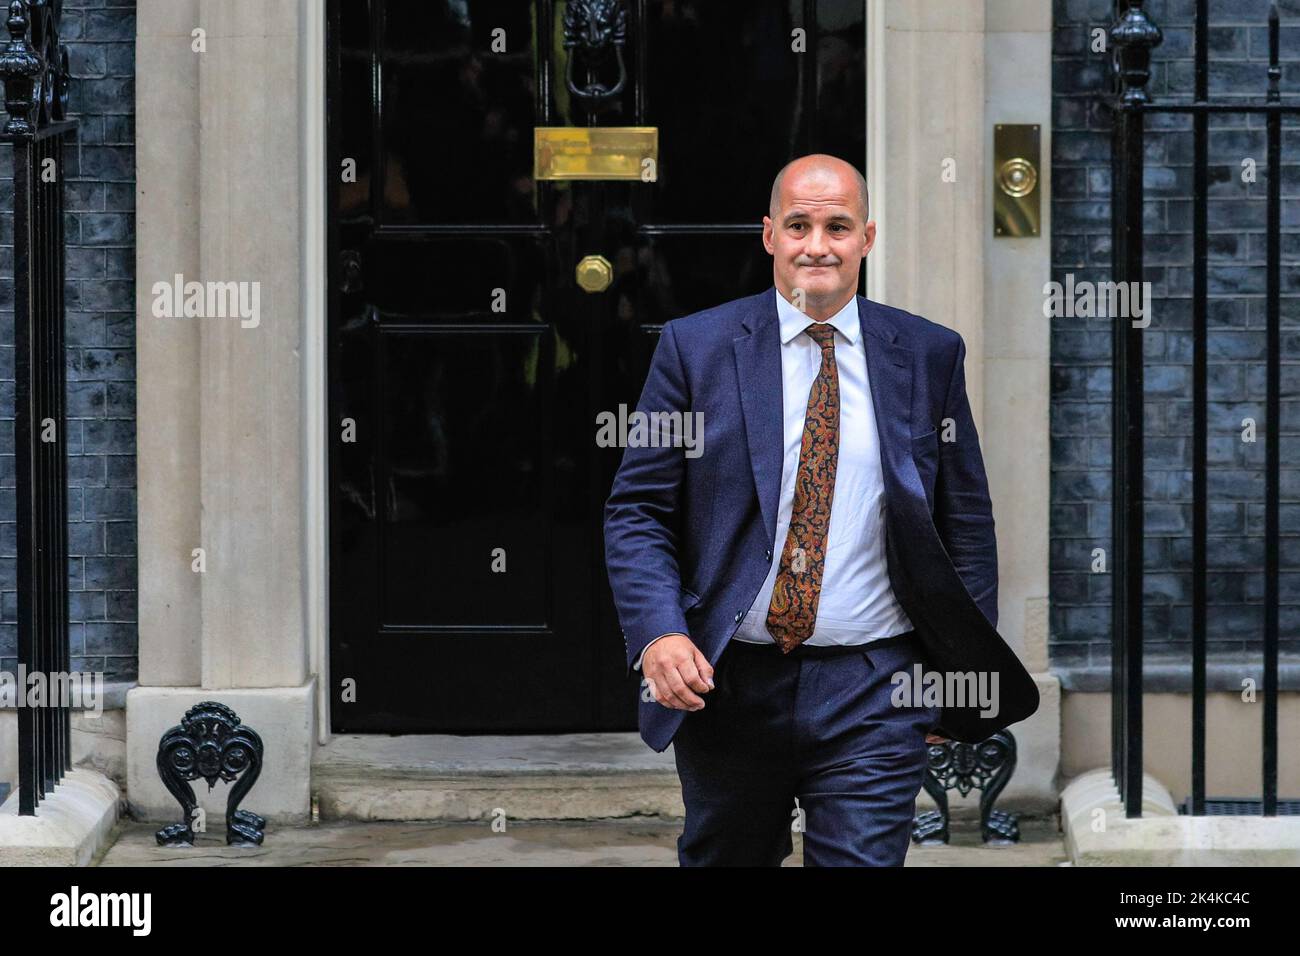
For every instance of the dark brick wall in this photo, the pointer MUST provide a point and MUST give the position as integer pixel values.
(1081, 378)
(100, 228)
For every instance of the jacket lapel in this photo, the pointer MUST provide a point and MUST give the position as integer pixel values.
(758, 370)
(889, 368)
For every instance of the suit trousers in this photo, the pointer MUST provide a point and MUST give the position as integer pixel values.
(816, 726)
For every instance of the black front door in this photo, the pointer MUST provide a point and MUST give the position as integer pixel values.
(467, 366)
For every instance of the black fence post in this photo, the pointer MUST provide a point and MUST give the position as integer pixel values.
(34, 69)
(1273, 415)
(1132, 36)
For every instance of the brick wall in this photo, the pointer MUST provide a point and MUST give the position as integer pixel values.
(1081, 348)
(100, 228)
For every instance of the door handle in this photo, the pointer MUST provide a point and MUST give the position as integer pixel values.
(594, 273)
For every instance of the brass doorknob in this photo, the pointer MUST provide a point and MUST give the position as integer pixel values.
(594, 273)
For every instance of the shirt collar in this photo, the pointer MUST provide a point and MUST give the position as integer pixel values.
(793, 322)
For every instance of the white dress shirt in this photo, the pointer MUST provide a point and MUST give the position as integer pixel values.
(857, 603)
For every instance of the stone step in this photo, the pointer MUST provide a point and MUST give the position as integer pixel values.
(518, 777)
(72, 825)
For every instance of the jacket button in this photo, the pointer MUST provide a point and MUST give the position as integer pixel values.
(767, 555)
(739, 615)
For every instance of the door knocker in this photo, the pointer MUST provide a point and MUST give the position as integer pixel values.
(597, 28)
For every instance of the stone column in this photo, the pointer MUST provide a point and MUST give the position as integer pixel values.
(926, 166)
(221, 463)
(167, 349)
(1017, 336)
(941, 73)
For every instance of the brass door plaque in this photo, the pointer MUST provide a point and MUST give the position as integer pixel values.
(1017, 207)
(596, 152)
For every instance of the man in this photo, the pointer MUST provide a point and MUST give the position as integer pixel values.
(832, 543)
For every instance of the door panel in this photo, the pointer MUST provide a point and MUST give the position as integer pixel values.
(467, 368)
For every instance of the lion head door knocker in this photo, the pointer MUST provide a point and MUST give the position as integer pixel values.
(211, 743)
(595, 30)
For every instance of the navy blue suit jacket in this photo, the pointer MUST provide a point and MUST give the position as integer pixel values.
(687, 539)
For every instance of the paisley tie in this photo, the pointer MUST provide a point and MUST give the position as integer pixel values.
(793, 611)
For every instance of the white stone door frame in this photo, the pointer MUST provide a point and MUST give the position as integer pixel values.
(231, 478)
(966, 62)
(315, 336)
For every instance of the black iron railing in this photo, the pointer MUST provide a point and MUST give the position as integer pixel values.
(1132, 37)
(34, 69)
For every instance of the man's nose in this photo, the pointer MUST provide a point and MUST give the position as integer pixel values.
(818, 244)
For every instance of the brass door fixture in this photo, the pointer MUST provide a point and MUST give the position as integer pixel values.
(594, 273)
(1016, 197)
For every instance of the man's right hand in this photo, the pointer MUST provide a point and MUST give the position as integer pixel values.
(675, 668)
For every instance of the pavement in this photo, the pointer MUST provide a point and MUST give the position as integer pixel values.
(632, 842)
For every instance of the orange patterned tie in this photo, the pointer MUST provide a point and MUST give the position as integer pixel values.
(793, 611)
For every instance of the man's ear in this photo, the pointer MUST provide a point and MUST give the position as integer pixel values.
(767, 235)
(870, 237)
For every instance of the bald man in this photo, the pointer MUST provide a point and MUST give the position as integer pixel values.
(788, 594)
